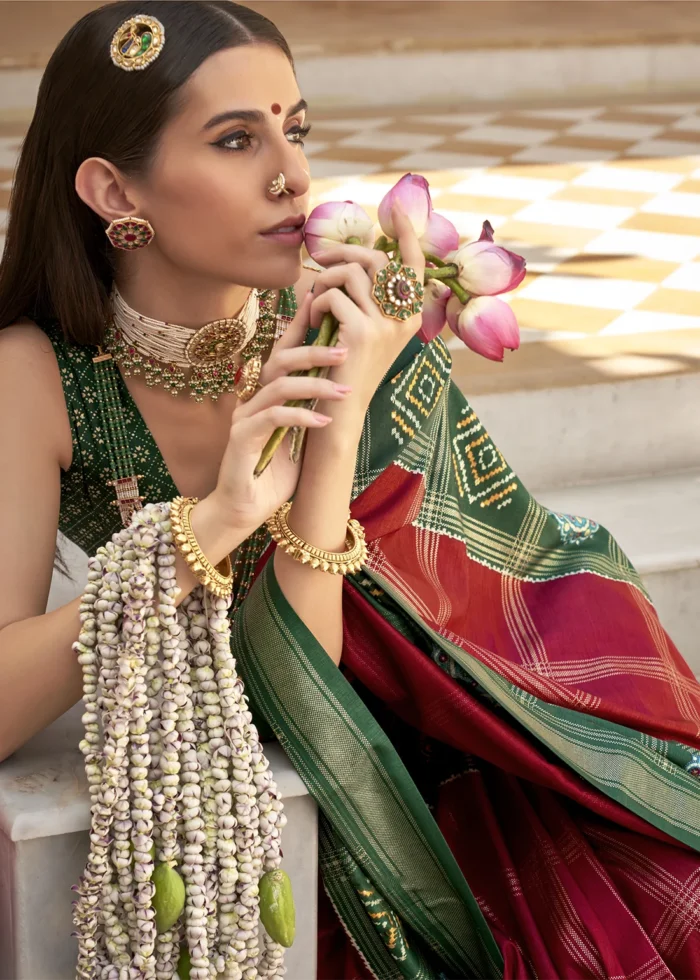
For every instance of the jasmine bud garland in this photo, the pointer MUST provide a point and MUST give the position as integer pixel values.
(176, 775)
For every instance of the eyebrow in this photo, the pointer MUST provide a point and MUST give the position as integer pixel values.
(251, 115)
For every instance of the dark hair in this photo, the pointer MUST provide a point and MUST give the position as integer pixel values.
(56, 261)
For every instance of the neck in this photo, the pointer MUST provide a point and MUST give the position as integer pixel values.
(189, 301)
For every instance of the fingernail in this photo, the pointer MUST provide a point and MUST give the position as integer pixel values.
(339, 351)
(322, 418)
(342, 389)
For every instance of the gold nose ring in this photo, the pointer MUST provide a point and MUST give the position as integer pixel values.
(277, 186)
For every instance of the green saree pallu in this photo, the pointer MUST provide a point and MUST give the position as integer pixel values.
(505, 762)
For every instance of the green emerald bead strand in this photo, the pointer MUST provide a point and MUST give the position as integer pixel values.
(115, 434)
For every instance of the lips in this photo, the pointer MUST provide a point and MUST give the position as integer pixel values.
(288, 224)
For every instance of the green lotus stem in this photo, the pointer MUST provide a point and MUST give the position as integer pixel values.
(328, 336)
(446, 272)
(460, 292)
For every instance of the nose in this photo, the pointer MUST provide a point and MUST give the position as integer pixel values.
(297, 179)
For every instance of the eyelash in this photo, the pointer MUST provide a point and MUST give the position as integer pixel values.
(301, 131)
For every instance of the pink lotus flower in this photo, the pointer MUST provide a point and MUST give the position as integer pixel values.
(413, 193)
(333, 223)
(485, 269)
(486, 325)
(434, 315)
(440, 236)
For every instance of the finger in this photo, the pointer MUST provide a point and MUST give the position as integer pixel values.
(333, 301)
(370, 259)
(353, 279)
(411, 252)
(288, 388)
(250, 434)
(300, 359)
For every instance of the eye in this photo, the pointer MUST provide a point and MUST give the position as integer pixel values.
(241, 140)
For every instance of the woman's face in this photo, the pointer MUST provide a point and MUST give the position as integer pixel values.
(205, 193)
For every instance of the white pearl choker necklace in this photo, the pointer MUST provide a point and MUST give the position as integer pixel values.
(165, 351)
(186, 347)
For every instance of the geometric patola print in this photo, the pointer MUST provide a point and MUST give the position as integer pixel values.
(482, 473)
(418, 389)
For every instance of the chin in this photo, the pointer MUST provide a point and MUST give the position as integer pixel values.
(282, 273)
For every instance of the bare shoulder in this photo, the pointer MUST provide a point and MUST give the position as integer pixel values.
(31, 389)
(33, 429)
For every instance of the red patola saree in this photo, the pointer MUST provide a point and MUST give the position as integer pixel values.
(505, 762)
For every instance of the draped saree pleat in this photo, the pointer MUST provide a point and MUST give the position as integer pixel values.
(500, 761)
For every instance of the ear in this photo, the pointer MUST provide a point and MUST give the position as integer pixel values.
(104, 189)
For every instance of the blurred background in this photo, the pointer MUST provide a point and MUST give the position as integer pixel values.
(574, 127)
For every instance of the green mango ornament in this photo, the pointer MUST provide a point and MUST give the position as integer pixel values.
(169, 898)
(277, 911)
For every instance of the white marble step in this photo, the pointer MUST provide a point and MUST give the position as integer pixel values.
(615, 430)
(657, 523)
(468, 76)
(464, 77)
(44, 818)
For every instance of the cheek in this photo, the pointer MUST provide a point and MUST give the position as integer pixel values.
(203, 200)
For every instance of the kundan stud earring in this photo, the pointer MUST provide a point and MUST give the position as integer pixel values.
(130, 233)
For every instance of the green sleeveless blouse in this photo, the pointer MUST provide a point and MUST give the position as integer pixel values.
(88, 516)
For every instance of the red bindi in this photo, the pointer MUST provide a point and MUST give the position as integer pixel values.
(276, 108)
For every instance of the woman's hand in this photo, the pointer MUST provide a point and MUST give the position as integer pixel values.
(247, 501)
(373, 340)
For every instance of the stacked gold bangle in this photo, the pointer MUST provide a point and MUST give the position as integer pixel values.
(342, 562)
(217, 579)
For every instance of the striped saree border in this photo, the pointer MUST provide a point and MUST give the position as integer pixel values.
(643, 773)
(340, 874)
(358, 780)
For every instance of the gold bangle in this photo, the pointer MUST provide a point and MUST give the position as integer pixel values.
(219, 579)
(342, 562)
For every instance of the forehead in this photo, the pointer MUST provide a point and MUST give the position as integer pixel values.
(254, 76)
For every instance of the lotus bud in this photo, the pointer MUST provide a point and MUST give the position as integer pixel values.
(485, 269)
(333, 223)
(412, 192)
(433, 318)
(487, 326)
(440, 237)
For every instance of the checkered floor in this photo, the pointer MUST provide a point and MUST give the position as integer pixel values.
(604, 203)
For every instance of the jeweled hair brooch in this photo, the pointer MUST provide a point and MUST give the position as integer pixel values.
(137, 43)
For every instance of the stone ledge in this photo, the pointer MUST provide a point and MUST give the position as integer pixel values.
(46, 795)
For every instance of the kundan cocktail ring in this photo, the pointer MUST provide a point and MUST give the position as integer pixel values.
(397, 291)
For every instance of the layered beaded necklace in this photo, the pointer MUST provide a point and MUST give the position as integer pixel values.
(269, 328)
(165, 351)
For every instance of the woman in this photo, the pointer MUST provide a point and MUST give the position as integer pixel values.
(497, 730)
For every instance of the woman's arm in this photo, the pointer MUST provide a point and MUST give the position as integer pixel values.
(319, 514)
(40, 677)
